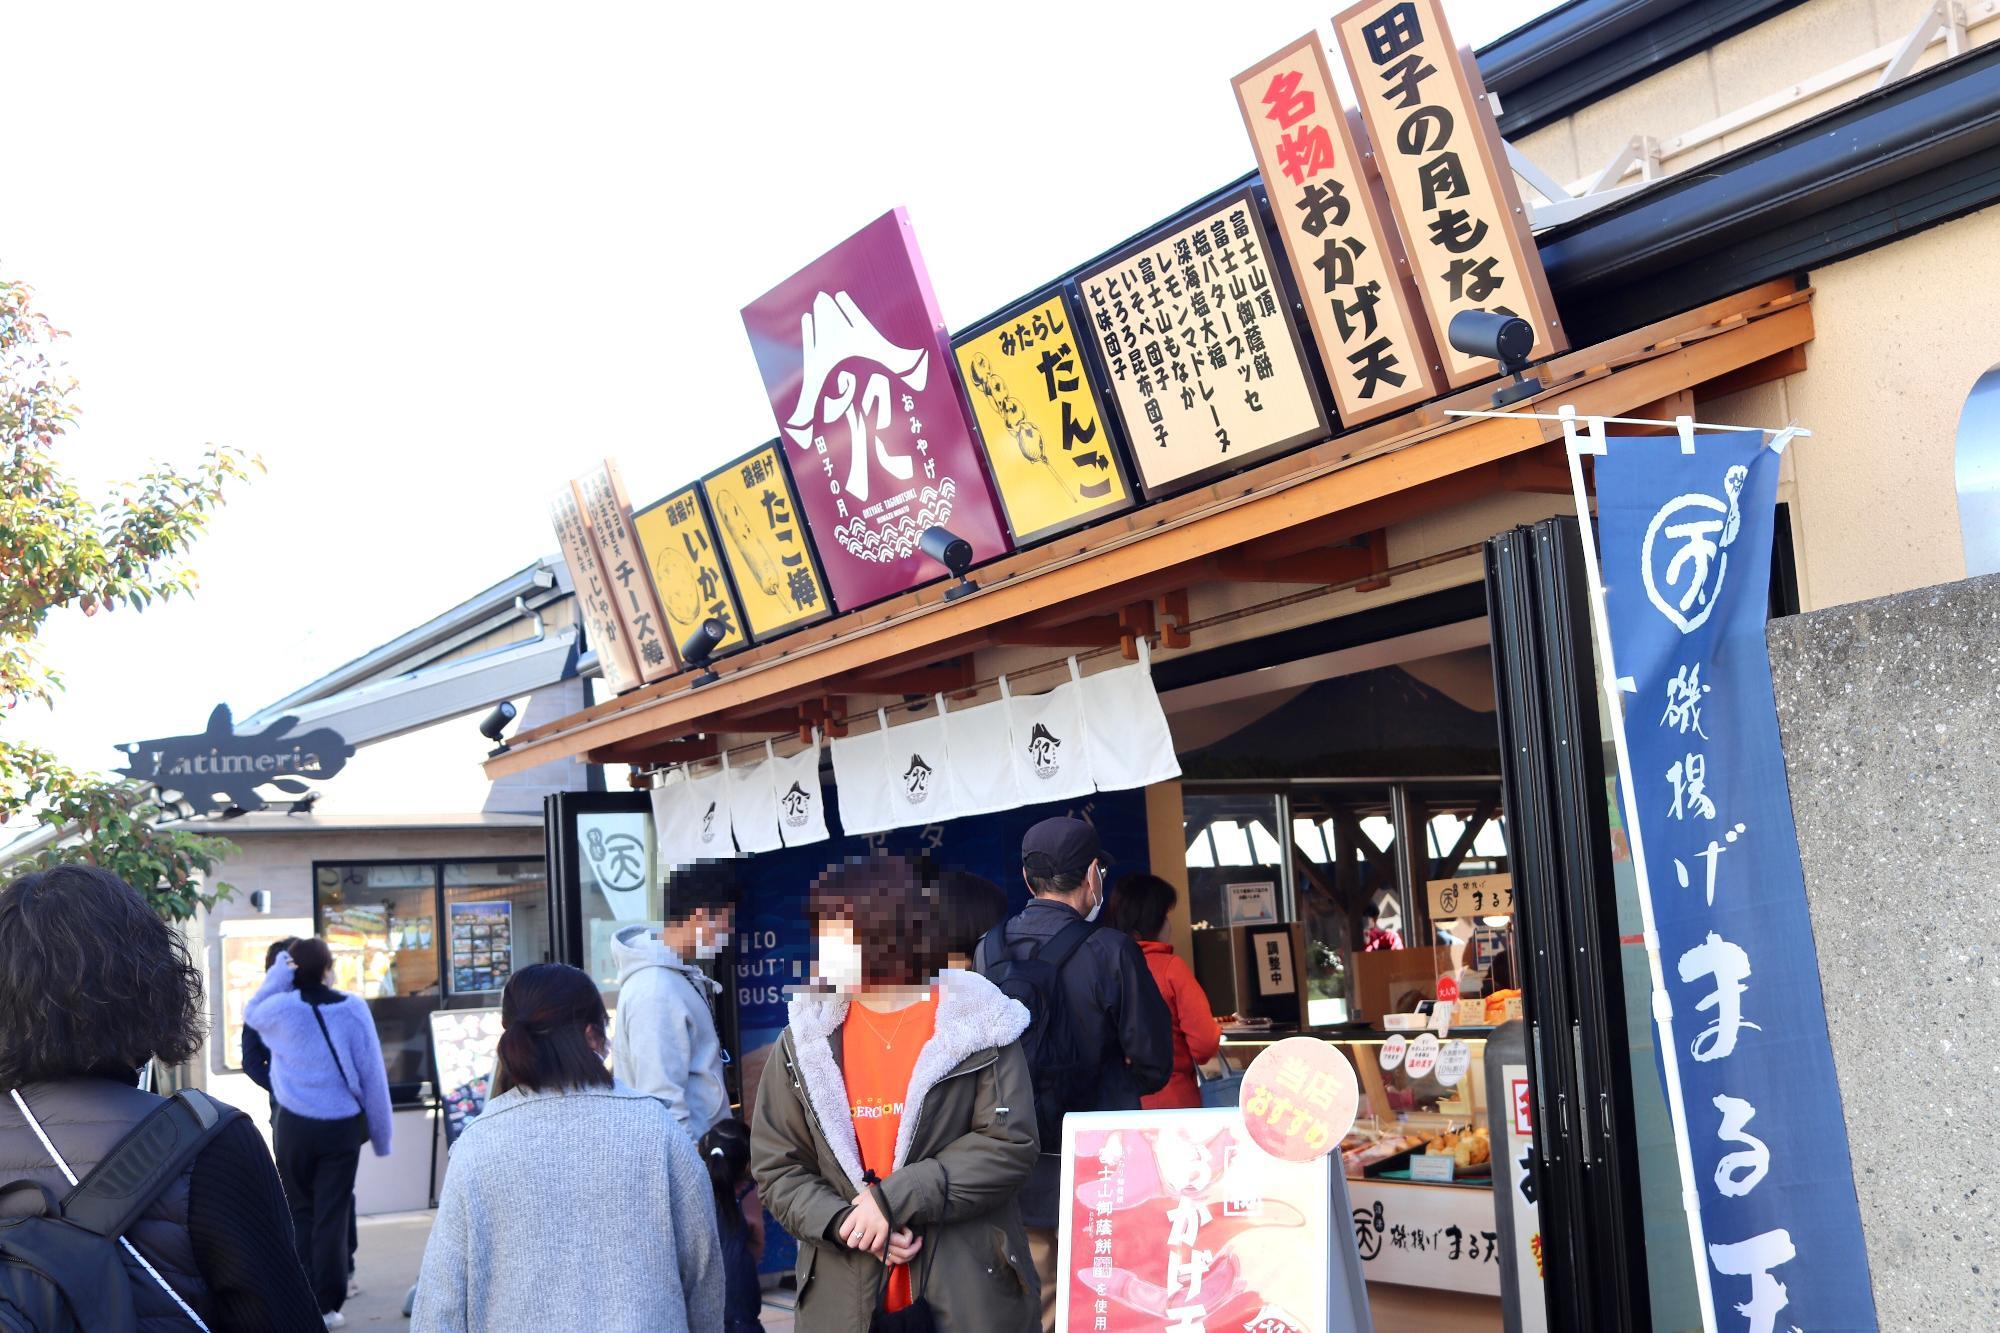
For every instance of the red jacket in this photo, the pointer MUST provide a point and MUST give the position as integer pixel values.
(1197, 1036)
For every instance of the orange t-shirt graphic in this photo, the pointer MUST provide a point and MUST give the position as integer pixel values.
(879, 1052)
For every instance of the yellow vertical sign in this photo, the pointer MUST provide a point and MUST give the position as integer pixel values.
(685, 561)
(1047, 444)
(757, 515)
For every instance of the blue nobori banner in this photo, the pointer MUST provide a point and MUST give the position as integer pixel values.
(1685, 532)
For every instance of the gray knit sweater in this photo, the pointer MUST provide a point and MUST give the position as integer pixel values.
(583, 1209)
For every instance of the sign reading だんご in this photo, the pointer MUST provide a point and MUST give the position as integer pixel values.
(1368, 321)
(1047, 443)
(1204, 363)
(757, 513)
(608, 515)
(856, 361)
(593, 591)
(1445, 167)
(686, 564)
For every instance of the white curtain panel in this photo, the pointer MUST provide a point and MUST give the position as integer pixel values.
(801, 805)
(1126, 728)
(676, 821)
(861, 776)
(753, 806)
(1047, 748)
(709, 797)
(982, 778)
(919, 770)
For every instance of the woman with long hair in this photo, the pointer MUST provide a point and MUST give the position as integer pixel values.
(570, 1201)
(1139, 905)
(902, 1126)
(725, 1150)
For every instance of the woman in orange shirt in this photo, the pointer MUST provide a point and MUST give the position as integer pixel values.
(1139, 905)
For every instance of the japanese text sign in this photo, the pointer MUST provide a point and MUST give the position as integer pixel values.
(1365, 316)
(593, 592)
(1298, 1099)
(686, 563)
(1445, 167)
(1470, 895)
(608, 515)
(1194, 330)
(757, 514)
(1686, 551)
(857, 364)
(1176, 1220)
(1046, 439)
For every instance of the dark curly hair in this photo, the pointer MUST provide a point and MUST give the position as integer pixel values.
(91, 981)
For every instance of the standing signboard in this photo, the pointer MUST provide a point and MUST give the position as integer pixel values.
(857, 363)
(593, 592)
(1681, 600)
(685, 560)
(608, 515)
(1445, 168)
(756, 512)
(1048, 443)
(465, 1048)
(1199, 350)
(1366, 317)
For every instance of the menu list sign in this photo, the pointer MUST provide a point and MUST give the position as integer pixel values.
(1444, 165)
(757, 514)
(593, 592)
(608, 515)
(686, 564)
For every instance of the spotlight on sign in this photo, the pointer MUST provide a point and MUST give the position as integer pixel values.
(496, 722)
(701, 646)
(954, 553)
(1508, 339)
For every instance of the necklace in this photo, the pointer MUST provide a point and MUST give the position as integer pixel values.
(889, 1042)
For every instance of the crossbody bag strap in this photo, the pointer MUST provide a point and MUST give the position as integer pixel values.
(334, 1051)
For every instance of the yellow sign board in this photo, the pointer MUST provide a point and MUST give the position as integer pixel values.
(1445, 166)
(1047, 444)
(686, 564)
(757, 514)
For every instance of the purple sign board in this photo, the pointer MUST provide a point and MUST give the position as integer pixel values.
(858, 366)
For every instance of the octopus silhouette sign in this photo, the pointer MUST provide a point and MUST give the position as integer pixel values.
(218, 769)
(857, 363)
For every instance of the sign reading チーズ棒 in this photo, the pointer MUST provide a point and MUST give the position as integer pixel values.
(217, 769)
(593, 592)
(856, 361)
(608, 515)
(1047, 443)
(757, 513)
(1203, 361)
(687, 568)
(1445, 166)
(1368, 321)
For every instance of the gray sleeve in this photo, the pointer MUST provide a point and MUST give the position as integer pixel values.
(442, 1299)
(697, 1247)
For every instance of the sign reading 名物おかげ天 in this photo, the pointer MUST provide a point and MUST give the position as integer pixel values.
(1445, 167)
(608, 515)
(593, 592)
(1368, 321)
(757, 515)
(687, 567)
(1047, 442)
(857, 364)
(1200, 354)
(1685, 536)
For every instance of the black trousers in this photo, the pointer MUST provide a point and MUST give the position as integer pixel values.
(317, 1160)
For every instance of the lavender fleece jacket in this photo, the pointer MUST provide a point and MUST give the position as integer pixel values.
(303, 1075)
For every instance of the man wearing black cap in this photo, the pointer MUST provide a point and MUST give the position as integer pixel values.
(1102, 1036)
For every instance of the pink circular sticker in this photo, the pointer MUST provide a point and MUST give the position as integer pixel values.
(1392, 1051)
(1423, 1056)
(1299, 1099)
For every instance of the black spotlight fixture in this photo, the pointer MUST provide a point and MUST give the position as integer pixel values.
(701, 646)
(496, 722)
(954, 553)
(1508, 339)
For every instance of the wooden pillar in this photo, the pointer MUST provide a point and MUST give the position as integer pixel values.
(1166, 848)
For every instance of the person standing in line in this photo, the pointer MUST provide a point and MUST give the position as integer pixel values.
(666, 1044)
(571, 1201)
(93, 985)
(333, 1096)
(739, 1222)
(1103, 1038)
(1139, 906)
(972, 905)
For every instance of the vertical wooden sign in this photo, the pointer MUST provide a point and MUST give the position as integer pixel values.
(623, 564)
(600, 617)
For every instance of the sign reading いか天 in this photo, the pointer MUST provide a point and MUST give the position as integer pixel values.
(856, 361)
(217, 769)
(757, 514)
(685, 561)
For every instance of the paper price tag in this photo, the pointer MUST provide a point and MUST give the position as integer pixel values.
(1432, 1166)
(1453, 1060)
(1392, 1051)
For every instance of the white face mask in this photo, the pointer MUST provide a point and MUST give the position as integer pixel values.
(711, 947)
(840, 960)
(1098, 905)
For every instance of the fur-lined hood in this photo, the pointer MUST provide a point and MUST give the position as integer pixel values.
(973, 1017)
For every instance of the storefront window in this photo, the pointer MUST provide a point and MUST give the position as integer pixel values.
(1235, 860)
(496, 916)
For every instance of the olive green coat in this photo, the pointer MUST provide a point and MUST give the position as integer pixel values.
(966, 1146)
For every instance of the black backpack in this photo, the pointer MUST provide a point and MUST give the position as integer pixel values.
(61, 1268)
(1062, 1075)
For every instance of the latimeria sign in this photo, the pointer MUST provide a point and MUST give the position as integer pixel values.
(218, 770)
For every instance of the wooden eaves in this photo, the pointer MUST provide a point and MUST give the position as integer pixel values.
(1305, 518)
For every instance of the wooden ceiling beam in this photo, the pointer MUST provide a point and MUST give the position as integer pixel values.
(1336, 564)
(1088, 632)
(656, 749)
(943, 678)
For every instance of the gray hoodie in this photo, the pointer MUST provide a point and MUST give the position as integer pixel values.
(664, 1041)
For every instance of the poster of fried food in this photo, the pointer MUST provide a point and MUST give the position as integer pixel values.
(756, 513)
(685, 562)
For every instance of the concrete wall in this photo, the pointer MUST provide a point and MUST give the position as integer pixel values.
(1890, 714)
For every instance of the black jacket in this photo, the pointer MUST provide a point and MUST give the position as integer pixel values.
(1111, 997)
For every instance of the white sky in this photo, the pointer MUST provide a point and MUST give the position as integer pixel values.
(430, 261)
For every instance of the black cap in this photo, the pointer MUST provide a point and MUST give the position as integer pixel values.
(1060, 846)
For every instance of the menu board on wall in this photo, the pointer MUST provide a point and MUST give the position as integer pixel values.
(593, 593)
(1205, 366)
(686, 564)
(856, 361)
(1445, 167)
(1048, 443)
(757, 515)
(482, 947)
(608, 515)
(1366, 318)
